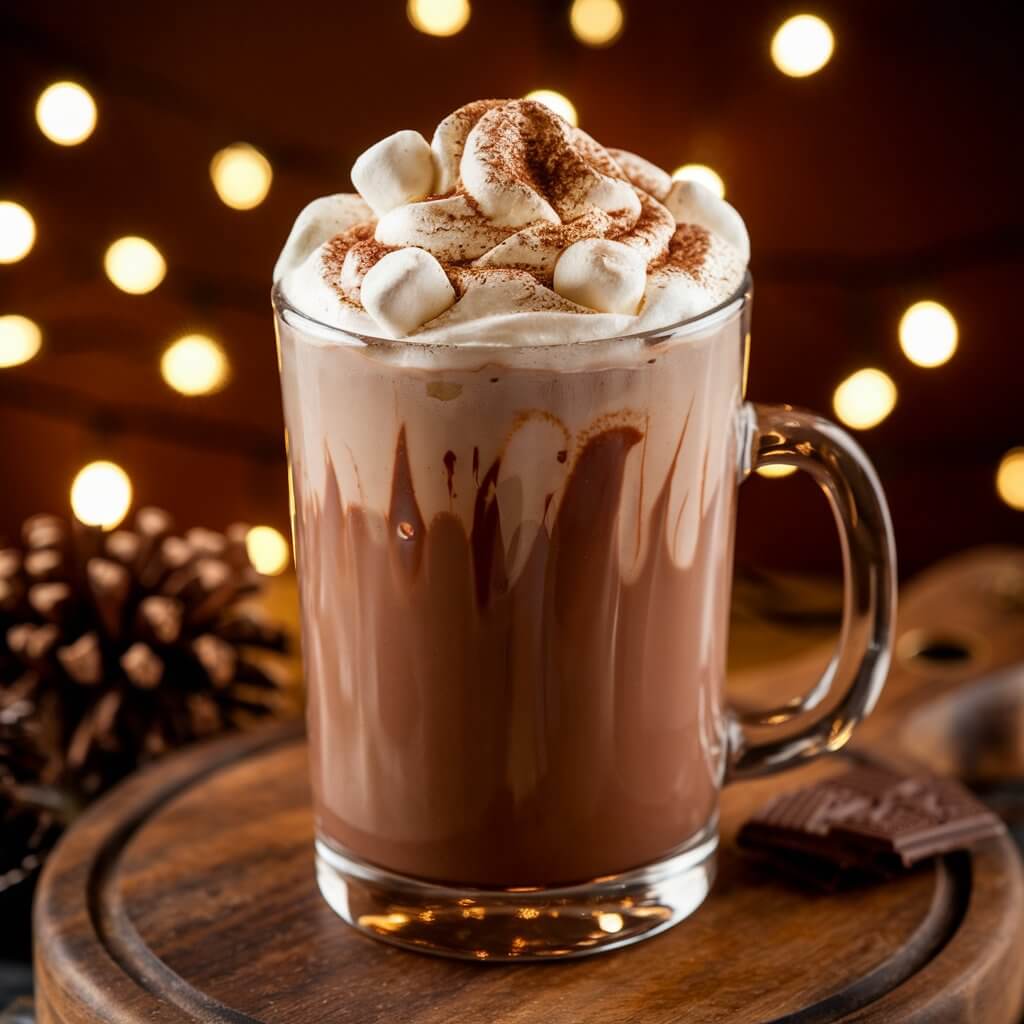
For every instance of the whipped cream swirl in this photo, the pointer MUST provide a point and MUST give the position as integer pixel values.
(511, 227)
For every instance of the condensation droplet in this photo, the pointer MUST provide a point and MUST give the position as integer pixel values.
(406, 531)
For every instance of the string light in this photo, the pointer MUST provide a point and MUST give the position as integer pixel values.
(194, 365)
(703, 176)
(241, 174)
(802, 45)
(20, 340)
(865, 398)
(555, 101)
(134, 264)
(775, 470)
(101, 494)
(17, 232)
(928, 334)
(438, 17)
(66, 113)
(1010, 478)
(596, 22)
(268, 550)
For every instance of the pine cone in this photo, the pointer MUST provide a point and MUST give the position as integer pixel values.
(136, 639)
(29, 807)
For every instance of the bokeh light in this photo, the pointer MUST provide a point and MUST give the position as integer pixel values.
(1010, 479)
(865, 398)
(775, 470)
(703, 175)
(66, 113)
(20, 340)
(555, 101)
(802, 45)
(438, 17)
(928, 334)
(610, 922)
(268, 550)
(17, 232)
(134, 264)
(194, 365)
(596, 22)
(241, 174)
(101, 494)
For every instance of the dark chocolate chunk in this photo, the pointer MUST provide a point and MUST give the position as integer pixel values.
(871, 820)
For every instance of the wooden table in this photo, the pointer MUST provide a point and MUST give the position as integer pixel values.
(188, 894)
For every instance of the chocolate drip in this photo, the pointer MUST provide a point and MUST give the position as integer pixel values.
(404, 518)
(449, 466)
(488, 553)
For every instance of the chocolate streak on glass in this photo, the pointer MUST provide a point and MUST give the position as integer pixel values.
(492, 704)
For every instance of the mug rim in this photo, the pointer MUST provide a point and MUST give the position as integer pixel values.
(690, 325)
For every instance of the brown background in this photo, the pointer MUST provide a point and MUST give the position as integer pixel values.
(892, 175)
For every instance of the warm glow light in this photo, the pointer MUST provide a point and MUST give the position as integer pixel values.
(555, 101)
(134, 265)
(703, 176)
(241, 175)
(17, 232)
(194, 365)
(596, 22)
(438, 17)
(66, 113)
(101, 494)
(610, 923)
(20, 340)
(865, 398)
(268, 550)
(928, 334)
(775, 470)
(1010, 478)
(802, 45)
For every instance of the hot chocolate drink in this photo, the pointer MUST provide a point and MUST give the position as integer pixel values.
(512, 370)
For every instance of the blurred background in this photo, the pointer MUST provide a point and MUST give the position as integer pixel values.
(154, 156)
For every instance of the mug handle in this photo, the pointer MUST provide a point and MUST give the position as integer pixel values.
(765, 741)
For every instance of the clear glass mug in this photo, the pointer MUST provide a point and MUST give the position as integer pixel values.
(515, 570)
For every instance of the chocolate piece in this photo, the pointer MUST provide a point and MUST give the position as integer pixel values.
(871, 819)
(142, 666)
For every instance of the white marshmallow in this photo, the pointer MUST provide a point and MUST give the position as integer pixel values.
(642, 173)
(397, 170)
(320, 220)
(603, 275)
(405, 289)
(614, 196)
(692, 203)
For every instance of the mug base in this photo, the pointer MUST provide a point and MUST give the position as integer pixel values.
(496, 925)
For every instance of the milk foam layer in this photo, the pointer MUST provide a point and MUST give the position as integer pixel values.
(511, 227)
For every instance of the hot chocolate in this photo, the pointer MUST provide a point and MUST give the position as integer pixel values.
(515, 590)
(512, 371)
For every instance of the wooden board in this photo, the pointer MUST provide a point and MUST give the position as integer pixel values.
(188, 895)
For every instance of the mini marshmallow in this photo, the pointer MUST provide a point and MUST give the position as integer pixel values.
(395, 171)
(320, 220)
(642, 173)
(614, 196)
(692, 203)
(405, 289)
(601, 274)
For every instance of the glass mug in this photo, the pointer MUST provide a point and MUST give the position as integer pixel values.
(515, 569)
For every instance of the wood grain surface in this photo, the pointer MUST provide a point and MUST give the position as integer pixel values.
(188, 895)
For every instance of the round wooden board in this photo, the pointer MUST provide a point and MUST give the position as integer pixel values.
(188, 895)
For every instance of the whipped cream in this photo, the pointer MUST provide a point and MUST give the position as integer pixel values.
(510, 227)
